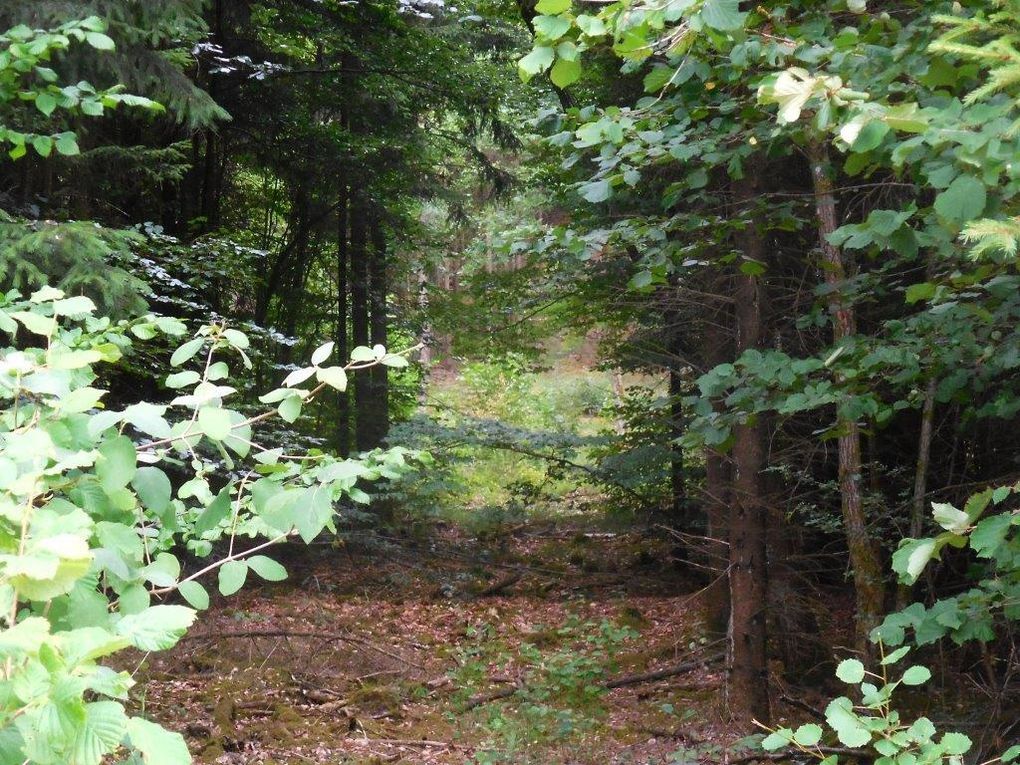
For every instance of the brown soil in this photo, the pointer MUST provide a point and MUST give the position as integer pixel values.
(354, 659)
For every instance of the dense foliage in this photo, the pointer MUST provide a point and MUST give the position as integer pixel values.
(786, 233)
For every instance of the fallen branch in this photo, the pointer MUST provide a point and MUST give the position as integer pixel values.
(660, 674)
(501, 584)
(791, 754)
(616, 682)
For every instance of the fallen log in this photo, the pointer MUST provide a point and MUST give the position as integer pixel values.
(501, 584)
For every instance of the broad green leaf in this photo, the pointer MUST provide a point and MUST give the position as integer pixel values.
(182, 379)
(195, 594)
(118, 462)
(989, 533)
(563, 74)
(808, 735)
(157, 745)
(955, 744)
(918, 292)
(964, 200)
(916, 675)
(777, 740)
(231, 576)
(214, 422)
(100, 734)
(267, 568)
(850, 671)
(99, 41)
(949, 518)
(551, 28)
(215, 513)
(298, 376)
(237, 339)
(290, 408)
(540, 59)
(552, 7)
(596, 191)
(157, 628)
(322, 353)
(723, 15)
(186, 351)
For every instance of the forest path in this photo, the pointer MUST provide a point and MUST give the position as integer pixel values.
(382, 650)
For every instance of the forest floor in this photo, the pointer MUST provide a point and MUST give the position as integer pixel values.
(511, 619)
(384, 650)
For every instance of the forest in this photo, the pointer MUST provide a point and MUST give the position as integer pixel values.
(547, 382)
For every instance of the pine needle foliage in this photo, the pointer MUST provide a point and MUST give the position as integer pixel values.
(78, 257)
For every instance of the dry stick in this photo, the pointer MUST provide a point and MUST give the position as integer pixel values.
(793, 754)
(326, 636)
(616, 682)
(498, 586)
(407, 742)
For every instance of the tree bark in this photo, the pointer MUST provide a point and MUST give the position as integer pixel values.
(748, 687)
(343, 401)
(378, 290)
(360, 321)
(717, 497)
(869, 583)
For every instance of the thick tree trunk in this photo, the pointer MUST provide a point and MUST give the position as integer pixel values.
(360, 322)
(378, 290)
(869, 583)
(343, 401)
(748, 687)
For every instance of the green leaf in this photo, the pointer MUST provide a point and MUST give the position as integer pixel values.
(298, 376)
(195, 594)
(214, 514)
(723, 15)
(186, 351)
(551, 28)
(949, 518)
(290, 408)
(808, 735)
(552, 7)
(100, 733)
(43, 145)
(989, 534)
(964, 200)
(67, 145)
(955, 744)
(916, 675)
(322, 353)
(540, 59)
(596, 191)
(564, 73)
(157, 628)
(232, 575)
(117, 464)
(182, 379)
(777, 740)
(214, 422)
(99, 41)
(153, 488)
(237, 339)
(895, 656)
(1011, 754)
(46, 103)
(362, 353)
(267, 568)
(918, 292)
(911, 557)
(850, 671)
(157, 745)
(871, 136)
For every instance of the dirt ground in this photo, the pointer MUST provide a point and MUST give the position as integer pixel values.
(386, 649)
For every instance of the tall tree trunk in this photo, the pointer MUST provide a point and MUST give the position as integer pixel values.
(359, 321)
(869, 583)
(679, 506)
(748, 687)
(378, 289)
(717, 498)
(343, 401)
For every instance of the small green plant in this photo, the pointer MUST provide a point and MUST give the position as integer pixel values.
(558, 696)
(872, 723)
